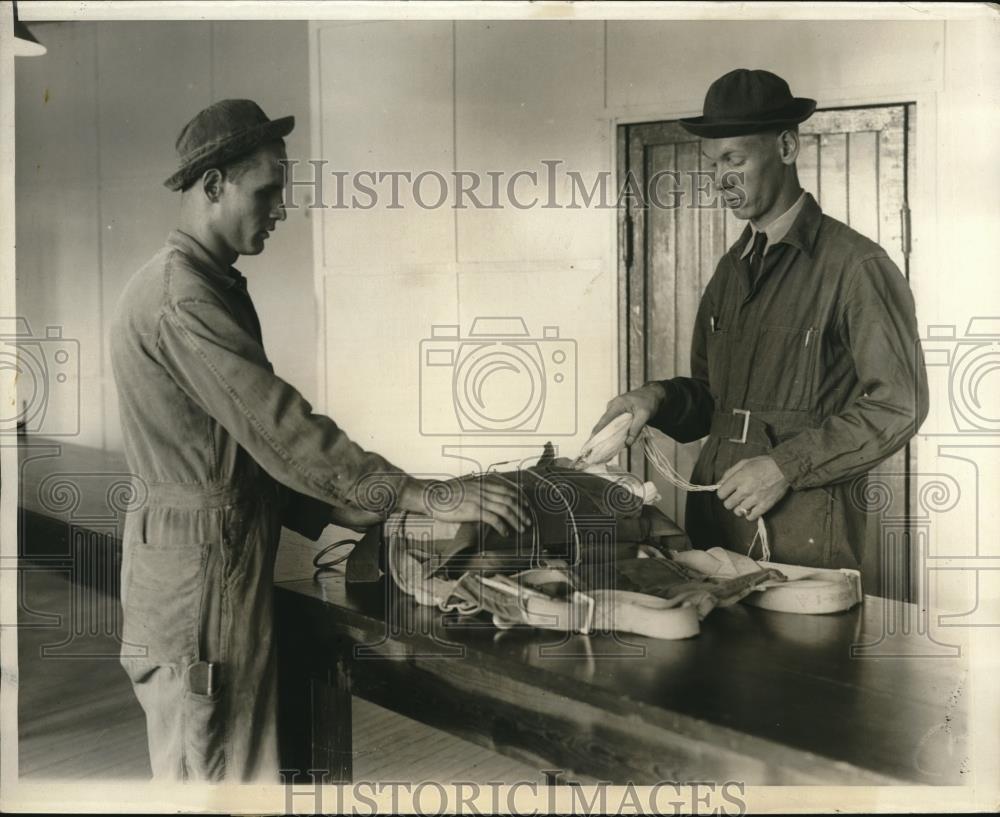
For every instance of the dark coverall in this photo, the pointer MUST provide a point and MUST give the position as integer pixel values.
(819, 361)
(225, 453)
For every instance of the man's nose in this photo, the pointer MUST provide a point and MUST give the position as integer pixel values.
(278, 213)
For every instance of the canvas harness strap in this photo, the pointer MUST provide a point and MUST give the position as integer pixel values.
(515, 600)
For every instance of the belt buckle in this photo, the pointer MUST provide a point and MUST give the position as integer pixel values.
(746, 426)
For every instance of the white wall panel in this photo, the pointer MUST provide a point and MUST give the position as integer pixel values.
(671, 64)
(56, 110)
(152, 79)
(374, 328)
(529, 92)
(58, 281)
(385, 93)
(270, 64)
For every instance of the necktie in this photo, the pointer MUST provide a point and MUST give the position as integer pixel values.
(757, 256)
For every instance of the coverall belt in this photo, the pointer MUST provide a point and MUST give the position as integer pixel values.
(766, 428)
(194, 496)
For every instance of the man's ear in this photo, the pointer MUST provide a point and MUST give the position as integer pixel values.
(211, 183)
(788, 146)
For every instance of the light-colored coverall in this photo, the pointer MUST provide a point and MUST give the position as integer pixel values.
(227, 453)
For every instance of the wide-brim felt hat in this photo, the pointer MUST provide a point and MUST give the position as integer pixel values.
(221, 133)
(748, 101)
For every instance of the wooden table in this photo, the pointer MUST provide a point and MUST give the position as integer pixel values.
(758, 697)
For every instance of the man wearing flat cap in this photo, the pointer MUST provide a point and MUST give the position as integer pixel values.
(806, 369)
(226, 453)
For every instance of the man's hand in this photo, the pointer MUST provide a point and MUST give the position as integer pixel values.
(643, 403)
(752, 487)
(487, 499)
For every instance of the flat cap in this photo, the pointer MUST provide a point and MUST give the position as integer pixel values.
(222, 132)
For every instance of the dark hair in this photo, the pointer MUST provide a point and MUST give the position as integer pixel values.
(235, 169)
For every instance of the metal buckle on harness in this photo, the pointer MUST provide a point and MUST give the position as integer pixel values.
(746, 426)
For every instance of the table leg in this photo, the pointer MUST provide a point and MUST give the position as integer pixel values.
(333, 747)
(295, 726)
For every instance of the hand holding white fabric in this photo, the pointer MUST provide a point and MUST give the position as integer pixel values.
(642, 403)
(607, 443)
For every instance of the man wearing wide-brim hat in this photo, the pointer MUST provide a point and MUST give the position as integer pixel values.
(806, 368)
(226, 452)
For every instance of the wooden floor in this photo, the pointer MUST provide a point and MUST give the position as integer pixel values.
(78, 718)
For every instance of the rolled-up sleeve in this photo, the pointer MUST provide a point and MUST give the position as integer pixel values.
(879, 327)
(225, 371)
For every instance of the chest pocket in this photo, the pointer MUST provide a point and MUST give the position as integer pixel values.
(783, 371)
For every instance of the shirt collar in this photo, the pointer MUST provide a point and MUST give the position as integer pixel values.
(227, 277)
(778, 229)
(805, 228)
